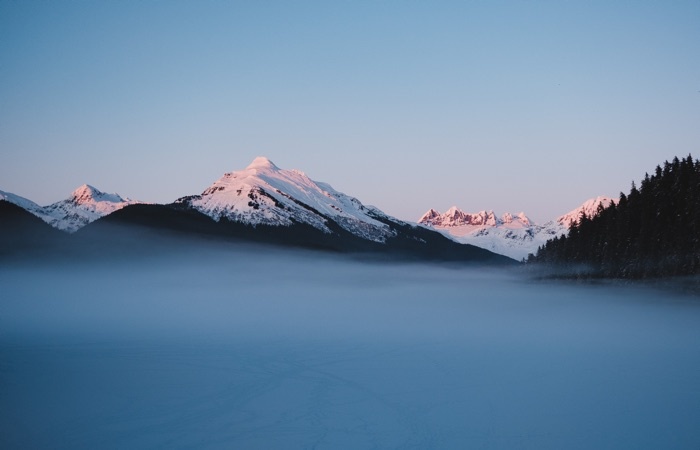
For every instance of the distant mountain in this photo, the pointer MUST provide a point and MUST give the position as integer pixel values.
(86, 204)
(654, 231)
(590, 208)
(454, 217)
(513, 235)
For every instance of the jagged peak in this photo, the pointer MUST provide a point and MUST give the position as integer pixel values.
(456, 217)
(508, 218)
(524, 218)
(262, 162)
(429, 215)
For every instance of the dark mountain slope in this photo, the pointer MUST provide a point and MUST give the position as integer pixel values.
(145, 228)
(22, 234)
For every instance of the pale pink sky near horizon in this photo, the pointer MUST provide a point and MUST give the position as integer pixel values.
(504, 106)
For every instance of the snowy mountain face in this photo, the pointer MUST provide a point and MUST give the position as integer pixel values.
(511, 235)
(264, 194)
(86, 204)
(22, 202)
(590, 208)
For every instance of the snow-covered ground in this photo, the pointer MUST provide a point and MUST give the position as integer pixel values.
(287, 350)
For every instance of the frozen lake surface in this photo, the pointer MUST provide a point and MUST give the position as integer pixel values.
(266, 350)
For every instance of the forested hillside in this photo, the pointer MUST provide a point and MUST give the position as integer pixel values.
(651, 232)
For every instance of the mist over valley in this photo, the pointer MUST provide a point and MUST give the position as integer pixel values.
(249, 346)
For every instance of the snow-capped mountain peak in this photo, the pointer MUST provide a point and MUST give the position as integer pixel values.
(262, 163)
(454, 214)
(455, 217)
(85, 204)
(511, 235)
(519, 219)
(264, 194)
(87, 194)
(589, 207)
(429, 216)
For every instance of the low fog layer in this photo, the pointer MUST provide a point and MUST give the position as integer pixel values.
(248, 347)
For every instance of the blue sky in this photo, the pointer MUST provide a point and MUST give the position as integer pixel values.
(510, 106)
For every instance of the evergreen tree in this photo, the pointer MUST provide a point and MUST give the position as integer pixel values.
(653, 231)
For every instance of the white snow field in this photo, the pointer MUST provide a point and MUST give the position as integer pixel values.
(250, 348)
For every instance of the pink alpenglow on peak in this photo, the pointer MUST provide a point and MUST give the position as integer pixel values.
(262, 162)
(430, 216)
(85, 204)
(589, 207)
(454, 217)
(518, 219)
(86, 194)
(511, 235)
(264, 194)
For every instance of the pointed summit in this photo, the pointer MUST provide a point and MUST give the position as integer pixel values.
(429, 216)
(264, 194)
(262, 162)
(87, 194)
(85, 204)
(84, 193)
(454, 214)
(590, 207)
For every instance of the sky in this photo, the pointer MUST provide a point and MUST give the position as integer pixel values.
(506, 106)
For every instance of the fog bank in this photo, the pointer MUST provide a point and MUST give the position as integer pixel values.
(255, 348)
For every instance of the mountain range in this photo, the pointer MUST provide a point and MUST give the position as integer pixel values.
(85, 205)
(261, 203)
(264, 203)
(513, 235)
